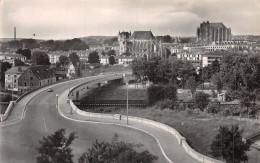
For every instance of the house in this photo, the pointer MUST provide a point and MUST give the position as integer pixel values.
(11, 77)
(74, 69)
(208, 58)
(124, 59)
(36, 76)
(6, 57)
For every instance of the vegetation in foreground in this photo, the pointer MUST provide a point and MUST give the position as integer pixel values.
(55, 148)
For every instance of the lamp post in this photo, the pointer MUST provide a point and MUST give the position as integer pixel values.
(127, 103)
(57, 105)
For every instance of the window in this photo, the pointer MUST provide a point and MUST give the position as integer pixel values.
(9, 86)
(15, 76)
(24, 84)
(14, 86)
(31, 78)
(15, 81)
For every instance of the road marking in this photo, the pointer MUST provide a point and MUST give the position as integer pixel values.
(44, 122)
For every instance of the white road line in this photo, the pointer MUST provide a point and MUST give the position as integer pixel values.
(44, 123)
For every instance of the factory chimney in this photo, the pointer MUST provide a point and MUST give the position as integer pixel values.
(14, 33)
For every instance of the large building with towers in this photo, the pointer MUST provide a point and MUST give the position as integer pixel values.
(213, 32)
(139, 44)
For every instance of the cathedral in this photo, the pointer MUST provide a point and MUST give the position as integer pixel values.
(213, 32)
(139, 44)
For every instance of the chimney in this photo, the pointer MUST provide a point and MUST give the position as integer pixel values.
(14, 33)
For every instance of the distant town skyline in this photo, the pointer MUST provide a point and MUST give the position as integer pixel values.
(65, 19)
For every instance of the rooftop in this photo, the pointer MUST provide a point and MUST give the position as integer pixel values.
(41, 72)
(16, 70)
(143, 35)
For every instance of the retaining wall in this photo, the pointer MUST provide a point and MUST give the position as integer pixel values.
(181, 140)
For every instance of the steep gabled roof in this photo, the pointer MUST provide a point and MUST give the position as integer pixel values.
(42, 72)
(16, 70)
(217, 25)
(143, 35)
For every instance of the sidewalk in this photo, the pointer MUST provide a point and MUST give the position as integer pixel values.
(168, 142)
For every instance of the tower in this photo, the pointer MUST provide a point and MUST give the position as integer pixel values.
(14, 33)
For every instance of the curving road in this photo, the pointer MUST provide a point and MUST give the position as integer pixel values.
(19, 137)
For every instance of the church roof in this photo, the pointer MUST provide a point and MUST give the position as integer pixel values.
(142, 35)
(216, 25)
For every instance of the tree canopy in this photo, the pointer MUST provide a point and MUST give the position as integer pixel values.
(40, 58)
(64, 60)
(73, 57)
(116, 151)
(93, 57)
(112, 60)
(229, 145)
(24, 52)
(111, 53)
(55, 148)
(4, 67)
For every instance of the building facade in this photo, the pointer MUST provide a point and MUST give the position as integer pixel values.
(213, 32)
(11, 77)
(139, 44)
(36, 76)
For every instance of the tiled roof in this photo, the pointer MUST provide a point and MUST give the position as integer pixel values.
(42, 72)
(142, 35)
(16, 70)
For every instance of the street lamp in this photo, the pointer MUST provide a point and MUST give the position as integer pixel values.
(127, 103)
(57, 105)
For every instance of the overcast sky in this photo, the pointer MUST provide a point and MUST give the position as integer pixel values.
(64, 19)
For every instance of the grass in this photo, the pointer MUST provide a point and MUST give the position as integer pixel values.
(199, 129)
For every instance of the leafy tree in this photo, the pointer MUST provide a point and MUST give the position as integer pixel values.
(24, 52)
(103, 53)
(93, 57)
(64, 60)
(111, 53)
(217, 80)
(214, 67)
(40, 58)
(229, 145)
(74, 58)
(4, 67)
(18, 62)
(110, 41)
(201, 100)
(111, 60)
(116, 151)
(191, 84)
(205, 74)
(246, 98)
(55, 148)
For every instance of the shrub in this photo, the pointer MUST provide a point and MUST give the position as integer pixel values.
(212, 108)
(166, 104)
(189, 111)
(201, 100)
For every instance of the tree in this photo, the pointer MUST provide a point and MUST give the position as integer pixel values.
(40, 58)
(93, 57)
(27, 53)
(4, 67)
(229, 145)
(201, 100)
(111, 53)
(116, 151)
(216, 79)
(55, 148)
(18, 62)
(64, 60)
(74, 58)
(24, 52)
(191, 84)
(111, 60)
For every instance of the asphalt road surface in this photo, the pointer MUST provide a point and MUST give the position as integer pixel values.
(18, 141)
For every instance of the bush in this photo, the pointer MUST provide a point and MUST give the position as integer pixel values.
(5, 98)
(212, 108)
(157, 93)
(166, 104)
(189, 111)
(201, 100)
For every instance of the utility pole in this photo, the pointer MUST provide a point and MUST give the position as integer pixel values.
(127, 104)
